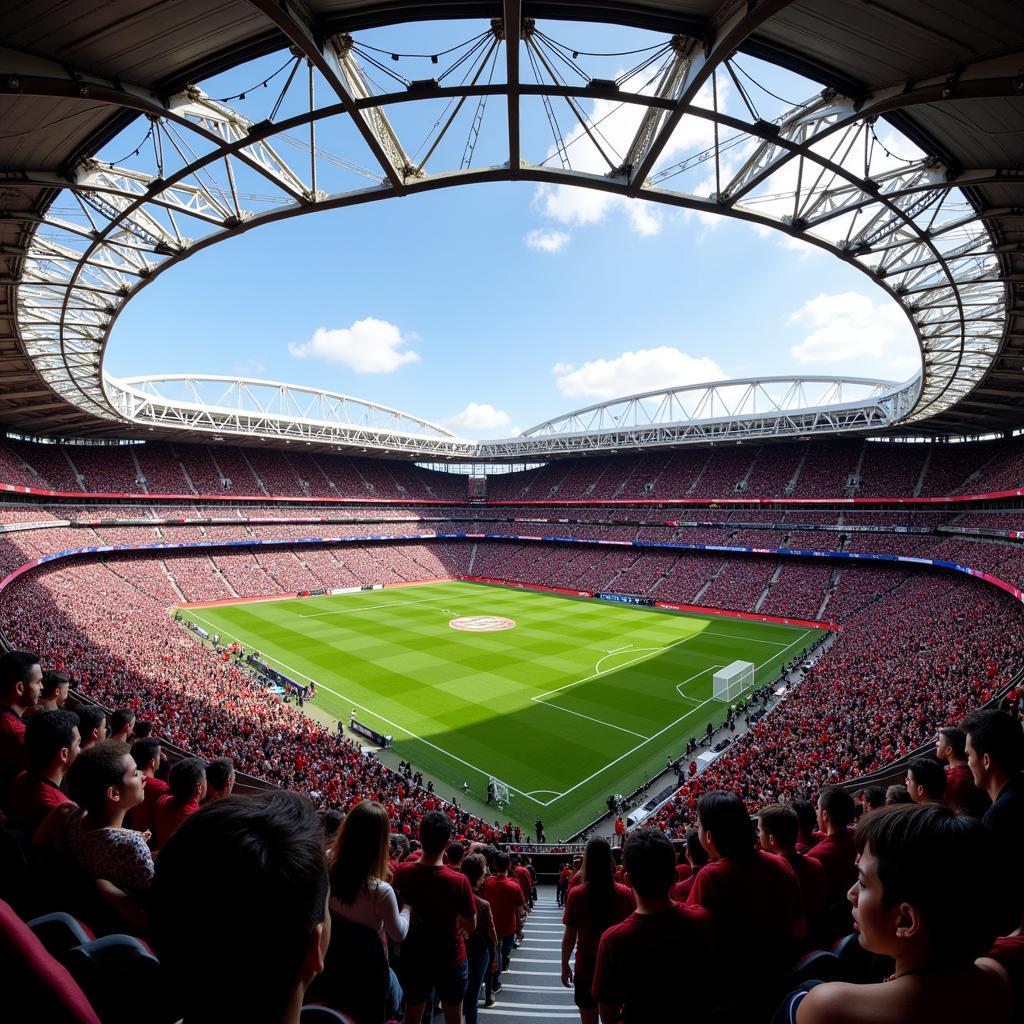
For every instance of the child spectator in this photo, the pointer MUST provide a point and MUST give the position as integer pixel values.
(660, 943)
(594, 905)
(254, 865)
(903, 909)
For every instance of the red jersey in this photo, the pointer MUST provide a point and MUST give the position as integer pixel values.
(579, 914)
(838, 856)
(13, 759)
(142, 817)
(811, 877)
(962, 794)
(168, 816)
(525, 880)
(504, 896)
(438, 897)
(31, 798)
(674, 945)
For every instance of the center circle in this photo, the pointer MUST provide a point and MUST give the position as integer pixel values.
(481, 623)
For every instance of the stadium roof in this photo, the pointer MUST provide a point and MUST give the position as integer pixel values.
(943, 235)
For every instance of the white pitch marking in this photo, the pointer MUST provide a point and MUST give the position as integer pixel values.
(589, 718)
(377, 715)
(696, 675)
(370, 607)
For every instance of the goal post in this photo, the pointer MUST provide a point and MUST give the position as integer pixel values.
(729, 682)
(498, 791)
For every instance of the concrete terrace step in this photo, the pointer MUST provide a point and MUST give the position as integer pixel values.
(531, 989)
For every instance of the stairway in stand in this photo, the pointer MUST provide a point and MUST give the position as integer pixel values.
(531, 990)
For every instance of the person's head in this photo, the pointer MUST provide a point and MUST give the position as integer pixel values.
(251, 869)
(807, 814)
(435, 831)
(951, 744)
(52, 742)
(696, 855)
(21, 680)
(872, 798)
(330, 822)
(55, 689)
(359, 853)
(142, 729)
(598, 871)
(835, 809)
(897, 794)
(220, 778)
(453, 854)
(187, 780)
(501, 862)
(724, 826)
(901, 900)
(122, 721)
(104, 779)
(995, 746)
(926, 780)
(474, 867)
(146, 754)
(92, 723)
(777, 828)
(650, 863)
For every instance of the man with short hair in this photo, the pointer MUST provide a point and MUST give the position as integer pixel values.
(454, 854)
(960, 793)
(122, 721)
(92, 723)
(220, 779)
(187, 787)
(836, 852)
(434, 952)
(777, 830)
(148, 756)
(253, 865)
(52, 742)
(55, 691)
(660, 944)
(926, 780)
(508, 906)
(521, 873)
(21, 683)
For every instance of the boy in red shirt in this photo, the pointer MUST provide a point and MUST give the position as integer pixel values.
(434, 952)
(660, 943)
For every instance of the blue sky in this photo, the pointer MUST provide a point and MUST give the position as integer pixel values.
(493, 307)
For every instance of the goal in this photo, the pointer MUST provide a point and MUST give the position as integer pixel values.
(499, 791)
(729, 682)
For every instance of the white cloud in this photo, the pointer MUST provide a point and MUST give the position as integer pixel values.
(546, 241)
(648, 369)
(368, 346)
(479, 418)
(850, 326)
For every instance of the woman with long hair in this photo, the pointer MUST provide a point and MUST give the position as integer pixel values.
(591, 907)
(360, 873)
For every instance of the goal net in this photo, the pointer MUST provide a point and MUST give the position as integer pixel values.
(729, 682)
(499, 791)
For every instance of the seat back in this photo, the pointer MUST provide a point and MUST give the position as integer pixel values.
(41, 989)
(60, 933)
(821, 965)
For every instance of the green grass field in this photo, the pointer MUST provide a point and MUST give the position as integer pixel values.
(579, 699)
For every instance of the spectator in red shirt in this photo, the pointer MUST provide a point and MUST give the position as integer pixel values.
(51, 743)
(220, 779)
(254, 865)
(148, 757)
(522, 875)
(836, 854)
(660, 944)
(961, 793)
(21, 682)
(593, 906)
(508, 905)
(696, 858)
(92, 723)
(754, 902)
(808, 817)
(777, 830)
(434, 952)
(926, 780)
(902, 909)
(187, 787)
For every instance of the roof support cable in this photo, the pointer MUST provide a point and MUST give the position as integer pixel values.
(561, 149)
(478, 117)
(287, 84)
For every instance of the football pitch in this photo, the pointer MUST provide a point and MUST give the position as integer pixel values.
(576, 699)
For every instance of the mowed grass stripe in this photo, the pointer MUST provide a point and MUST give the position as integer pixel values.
(472, 695)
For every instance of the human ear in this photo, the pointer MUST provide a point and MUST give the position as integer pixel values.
(908, 922)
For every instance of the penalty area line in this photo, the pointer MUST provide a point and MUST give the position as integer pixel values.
(380, 717)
